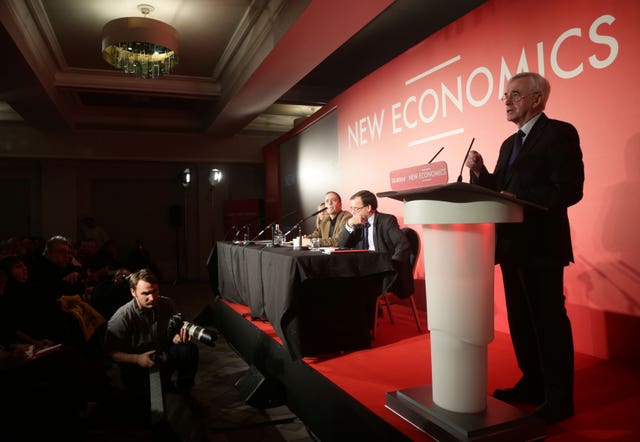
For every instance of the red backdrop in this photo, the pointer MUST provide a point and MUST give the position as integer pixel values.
(445, 91)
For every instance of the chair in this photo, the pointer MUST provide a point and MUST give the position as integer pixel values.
(414, 242)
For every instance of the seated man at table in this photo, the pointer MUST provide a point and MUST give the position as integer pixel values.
(328, 227)
(373, 230)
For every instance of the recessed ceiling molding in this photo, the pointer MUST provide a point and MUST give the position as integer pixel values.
(18, 19)
(248, 35)
(256, 35)
(117, 119)
(45, 28)
(89, 79)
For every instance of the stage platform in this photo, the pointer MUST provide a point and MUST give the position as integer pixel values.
(330, 411)
(342, 397)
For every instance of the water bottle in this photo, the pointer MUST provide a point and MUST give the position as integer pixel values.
(278, 237)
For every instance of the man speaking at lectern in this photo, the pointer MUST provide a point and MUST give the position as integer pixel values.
(541, 163)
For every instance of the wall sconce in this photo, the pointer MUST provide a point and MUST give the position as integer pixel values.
(184, 177)
(215, 176)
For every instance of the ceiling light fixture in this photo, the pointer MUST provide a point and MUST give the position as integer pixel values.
(140, 46)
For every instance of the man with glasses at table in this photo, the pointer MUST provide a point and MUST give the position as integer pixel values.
(371, 230)
(542, 164)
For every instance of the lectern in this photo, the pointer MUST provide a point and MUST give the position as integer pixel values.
(458, 235)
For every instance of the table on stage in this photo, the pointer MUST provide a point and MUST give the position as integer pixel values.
(317, 303)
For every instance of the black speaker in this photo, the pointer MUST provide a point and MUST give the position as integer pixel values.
(260, 392)
(176, 215)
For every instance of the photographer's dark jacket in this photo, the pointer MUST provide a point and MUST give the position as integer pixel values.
(135, 330)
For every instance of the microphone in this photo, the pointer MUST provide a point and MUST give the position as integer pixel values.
(246, 229)
(237, 229)
(318, 212)
(299, 223)
(270, 225)
(437, 153)
(465, 160)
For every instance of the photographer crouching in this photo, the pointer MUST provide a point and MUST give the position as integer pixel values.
(147, 334)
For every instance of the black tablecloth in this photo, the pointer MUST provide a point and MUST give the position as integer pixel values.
(316, 303)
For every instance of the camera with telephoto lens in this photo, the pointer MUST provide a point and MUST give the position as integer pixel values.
(193, 331)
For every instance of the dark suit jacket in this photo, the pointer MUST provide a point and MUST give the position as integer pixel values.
(548, 171)
(387, 238)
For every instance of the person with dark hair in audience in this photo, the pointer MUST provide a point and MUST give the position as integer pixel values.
(108, 296)
(17, 308)
(140, 258)
(46, 389)
(139, 338)
(331, 223)
(63, 314)
(88, 228)
(109, 254)
(86, 250)
(372, 230)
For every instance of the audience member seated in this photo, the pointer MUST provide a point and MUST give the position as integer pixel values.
(43, 387)
(85, 251)
(97, 272)
(88, 228)
(139, 258)
(66, 316)
(109, 254)
(111, 294)
(54, 272)
(20, 298)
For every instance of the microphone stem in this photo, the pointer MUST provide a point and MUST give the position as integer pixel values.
(465, 160)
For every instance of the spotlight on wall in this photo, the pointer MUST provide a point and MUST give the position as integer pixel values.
(215, 176)
(185, 177)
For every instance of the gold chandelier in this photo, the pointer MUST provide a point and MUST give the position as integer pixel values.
(140, 46)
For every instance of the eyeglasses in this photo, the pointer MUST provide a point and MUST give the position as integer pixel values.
(357, 209)
(515, 97)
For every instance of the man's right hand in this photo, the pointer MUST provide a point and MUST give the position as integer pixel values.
(475, 162)
(145, 360)
(355, 220)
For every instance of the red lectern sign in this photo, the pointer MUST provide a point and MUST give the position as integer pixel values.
(424, 175)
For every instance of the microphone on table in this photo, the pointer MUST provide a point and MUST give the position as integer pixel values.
(239, 229)
(247, 228)
(299, 223)
(270, 225)
(465, 160)
(437, 153)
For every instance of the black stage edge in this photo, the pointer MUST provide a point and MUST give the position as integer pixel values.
(499, 422)
(330, 413)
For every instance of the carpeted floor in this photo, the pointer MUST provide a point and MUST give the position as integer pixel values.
(216, 410)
